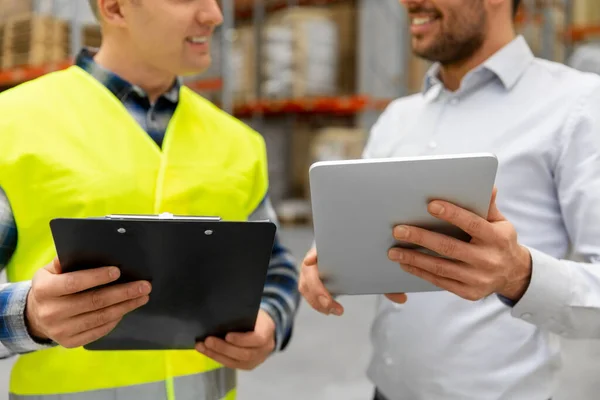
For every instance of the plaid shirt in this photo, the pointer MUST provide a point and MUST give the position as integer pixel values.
(280, 296)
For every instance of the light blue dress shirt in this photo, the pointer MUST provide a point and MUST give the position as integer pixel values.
(542, 120)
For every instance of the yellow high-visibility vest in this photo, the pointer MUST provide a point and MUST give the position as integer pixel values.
(69, 148)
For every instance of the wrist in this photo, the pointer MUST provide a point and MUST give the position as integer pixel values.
(271, 326)
(30, 321)
(521, 277)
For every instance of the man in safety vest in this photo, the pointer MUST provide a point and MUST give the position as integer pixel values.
(118, 133)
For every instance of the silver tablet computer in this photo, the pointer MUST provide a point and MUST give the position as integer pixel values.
(357, 203)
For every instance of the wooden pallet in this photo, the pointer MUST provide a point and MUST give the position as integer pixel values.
(33, 40)
(36, 56)
(92, 36)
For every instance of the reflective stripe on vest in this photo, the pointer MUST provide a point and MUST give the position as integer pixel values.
(213, 385)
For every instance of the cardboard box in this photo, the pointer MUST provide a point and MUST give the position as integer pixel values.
(15, 8)
(244, 65)
(345, 16)
(417, 69)
(302, 138)
(338, 143)
(313, 143)
(300, 54)
(586, 12)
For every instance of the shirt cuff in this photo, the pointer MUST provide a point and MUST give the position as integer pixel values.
(282, 329)
(547, 294)
(15, 334)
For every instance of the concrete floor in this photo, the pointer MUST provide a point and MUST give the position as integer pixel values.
(328, 356)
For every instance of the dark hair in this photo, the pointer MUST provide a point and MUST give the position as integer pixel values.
(516, 4)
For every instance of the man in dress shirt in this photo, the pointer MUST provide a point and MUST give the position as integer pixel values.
(492, 333)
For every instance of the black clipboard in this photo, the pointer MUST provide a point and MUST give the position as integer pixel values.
(207, 275)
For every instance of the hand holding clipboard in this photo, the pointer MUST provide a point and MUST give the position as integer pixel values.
(72, 310)
(207, 275)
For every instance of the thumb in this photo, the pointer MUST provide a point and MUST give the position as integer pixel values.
(399, 298)
(54, 267)
(311, 257)
(494, 215)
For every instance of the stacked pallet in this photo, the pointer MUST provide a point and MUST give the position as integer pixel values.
(33, 40)
(92, 35)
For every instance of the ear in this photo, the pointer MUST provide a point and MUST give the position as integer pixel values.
(111, 12)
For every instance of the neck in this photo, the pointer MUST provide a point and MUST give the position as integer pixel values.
(123, 62)
(453, 74)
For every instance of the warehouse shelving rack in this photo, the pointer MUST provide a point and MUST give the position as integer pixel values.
(381, 55)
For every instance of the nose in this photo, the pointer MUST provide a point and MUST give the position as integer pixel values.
(210, 14)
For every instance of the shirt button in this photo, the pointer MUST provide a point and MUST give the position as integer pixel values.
(526, 316)
(432, 144)
(454, 101)
(389, 362)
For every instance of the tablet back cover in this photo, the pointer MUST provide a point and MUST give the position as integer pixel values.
(357, 203)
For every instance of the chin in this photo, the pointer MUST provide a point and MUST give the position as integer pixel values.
(190, 70)
(197, 66)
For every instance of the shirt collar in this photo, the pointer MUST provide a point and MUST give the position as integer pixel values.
(117, 85)
(508, 65)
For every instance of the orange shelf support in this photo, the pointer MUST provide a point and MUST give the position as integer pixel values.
(342, 105)
(579, 33)
(15, 76)
(205, 85)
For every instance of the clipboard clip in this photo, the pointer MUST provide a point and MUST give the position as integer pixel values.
(163, 216)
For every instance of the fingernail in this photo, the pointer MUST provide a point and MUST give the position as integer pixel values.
(401, 232)
(113, 272)
(436, 208)
(324, 301)
(144, 288)
(336, 312)
(396, 255)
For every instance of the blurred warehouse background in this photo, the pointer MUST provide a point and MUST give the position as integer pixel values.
(311, 76)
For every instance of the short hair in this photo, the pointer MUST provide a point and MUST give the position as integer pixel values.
(94, 7)
(516, 4)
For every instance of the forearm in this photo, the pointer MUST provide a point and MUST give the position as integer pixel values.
(281, 297)
(14, 335)
(563, 297)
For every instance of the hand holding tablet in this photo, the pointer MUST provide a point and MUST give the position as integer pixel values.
(358, 205)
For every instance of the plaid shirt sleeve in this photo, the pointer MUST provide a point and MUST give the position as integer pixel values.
(14, 336)
(280, 297)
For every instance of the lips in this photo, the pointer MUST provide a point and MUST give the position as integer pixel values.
(422, 21)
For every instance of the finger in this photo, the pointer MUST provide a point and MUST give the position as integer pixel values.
(220, 358)
(236, 353)
(494, 215)
(435, 265)
(89, 336)
(441, 244)
(92, 320)
(315, 293)
(57, 285)
(248, 340)
(98, 299)
(399, 298)
(443, 283)
(467, 221)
